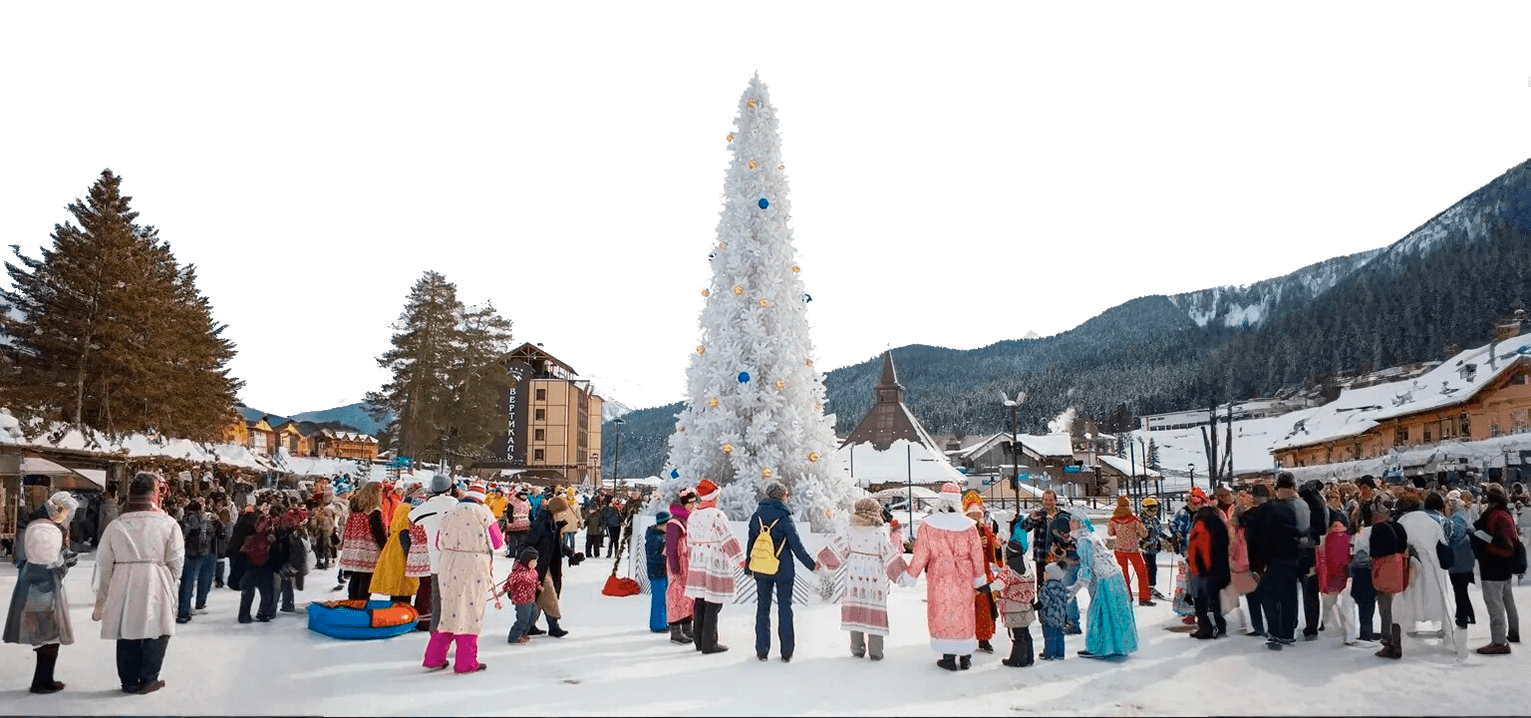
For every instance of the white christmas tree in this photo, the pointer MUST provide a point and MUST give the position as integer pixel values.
(755, 404)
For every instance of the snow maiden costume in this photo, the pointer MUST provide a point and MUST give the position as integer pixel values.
(677, 552)
(715, 555)
(872, 560)
(949, 545)
(1110, 628)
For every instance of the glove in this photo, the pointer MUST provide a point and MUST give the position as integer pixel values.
(96, 614)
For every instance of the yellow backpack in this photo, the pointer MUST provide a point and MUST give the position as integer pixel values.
(765, 558)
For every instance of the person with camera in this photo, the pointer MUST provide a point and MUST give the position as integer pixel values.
(39, 609)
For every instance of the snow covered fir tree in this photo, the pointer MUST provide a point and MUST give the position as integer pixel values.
(754, 408)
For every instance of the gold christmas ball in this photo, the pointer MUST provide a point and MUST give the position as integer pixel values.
(765, 473)
(728, 448)
(706, 292)
(723, 245)
(738, 291)
(752, 102)
(796, 269)
(781, 167)
(810, 362)
(701, 349)
(813, 456)
(752, 164)
(817, 406)
(781, 384)
(713, 402)
(730, 137)
(765, 302)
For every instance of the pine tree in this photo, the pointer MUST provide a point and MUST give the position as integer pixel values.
(418, 395)
(754, 402)
(477, 377)
(110, 333)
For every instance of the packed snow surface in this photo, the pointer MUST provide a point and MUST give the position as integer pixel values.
(610, 664)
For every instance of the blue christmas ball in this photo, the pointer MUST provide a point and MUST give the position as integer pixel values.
(764, 203)
(744, 376)
(807, 298)
(674, 473)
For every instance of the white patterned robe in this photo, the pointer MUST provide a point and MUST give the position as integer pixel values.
(467, 539)
(715, 555)
(872, 560)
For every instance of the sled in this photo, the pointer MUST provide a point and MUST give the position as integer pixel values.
(1113, 658)
(361, 620)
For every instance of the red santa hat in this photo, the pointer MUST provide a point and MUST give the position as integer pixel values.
(1197, 496)
(476, 491)
(706, 490)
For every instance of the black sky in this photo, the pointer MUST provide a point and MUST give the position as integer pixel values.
(939, 204)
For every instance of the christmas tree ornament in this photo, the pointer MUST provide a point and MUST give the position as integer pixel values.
(781, 384)
(807, 298)
(813, 456)
(728, 448)
(818, 406)
(730, 137)
(765, 473)
(781, 167)
(706, 292)
(752, 164)
(722, 245)
(810, 362)
(713, 402)
(764, 203)
(752, 102)
(765, 303)
(674, 473)
(796, 269)
(744, 377)
(701, 349)
(738, 290)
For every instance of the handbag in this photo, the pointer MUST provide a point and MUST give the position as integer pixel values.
(1244, 582)
(1445, 555)
(1518, 559)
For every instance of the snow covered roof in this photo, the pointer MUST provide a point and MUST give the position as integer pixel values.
(901, 461)
(136, 445)
(1054, 445)
(1451, 383)
(1128, 468)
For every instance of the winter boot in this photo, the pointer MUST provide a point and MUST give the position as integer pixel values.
(687, 631)
(1020, 648)
(948, 661)
(42, 676)
(554, 630)
(965, 662)
(677, 635)
(985, 646)
(1392, 643)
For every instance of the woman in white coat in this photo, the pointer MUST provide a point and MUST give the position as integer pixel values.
(1429, 596)
(39, 610)
(138, 566)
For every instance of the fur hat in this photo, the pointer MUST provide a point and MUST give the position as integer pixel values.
(706, 490)
(950, 492)
(1123, 506)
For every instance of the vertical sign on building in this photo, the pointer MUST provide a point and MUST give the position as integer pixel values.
(513, 407)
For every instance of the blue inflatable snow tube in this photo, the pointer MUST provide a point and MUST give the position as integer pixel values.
(350, 621)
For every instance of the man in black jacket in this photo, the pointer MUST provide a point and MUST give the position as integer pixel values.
(1274, 554)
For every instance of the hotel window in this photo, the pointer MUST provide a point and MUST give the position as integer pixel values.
(542, 415)
(1428, 435)
(1466, 431)
(542, 395)
(1447, 427)
(1401, 436)
(541, 435)
(537, 455)
(1493, 427)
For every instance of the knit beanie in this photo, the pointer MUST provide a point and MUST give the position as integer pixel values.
(527, 556)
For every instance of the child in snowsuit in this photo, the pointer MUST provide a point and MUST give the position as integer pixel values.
(653, 551)
(1017, 604)
(522, 587)
(1054, 601)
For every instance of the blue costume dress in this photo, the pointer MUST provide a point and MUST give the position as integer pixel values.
(1110, 628)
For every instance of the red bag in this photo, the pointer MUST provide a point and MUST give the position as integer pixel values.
(1390, 574)
(621, 586)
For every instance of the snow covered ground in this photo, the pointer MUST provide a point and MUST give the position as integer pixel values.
(611, 665)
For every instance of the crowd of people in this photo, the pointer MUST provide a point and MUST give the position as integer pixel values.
(1372, 565)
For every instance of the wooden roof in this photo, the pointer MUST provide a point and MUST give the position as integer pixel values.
(890, 420)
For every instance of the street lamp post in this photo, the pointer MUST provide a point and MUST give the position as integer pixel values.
(616, 463)
(1192, 467)
(1015, 446)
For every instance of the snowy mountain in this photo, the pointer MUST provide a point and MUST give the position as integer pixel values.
(1255, 303)
(353, 415)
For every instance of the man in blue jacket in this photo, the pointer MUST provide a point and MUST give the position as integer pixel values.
(773, 517)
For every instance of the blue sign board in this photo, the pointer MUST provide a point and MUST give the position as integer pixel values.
(1073, 469)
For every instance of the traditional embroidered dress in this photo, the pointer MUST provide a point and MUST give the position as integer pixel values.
(358, 551)
(715, 555)
(677, 551)
(872, 561)
(949, 546)
(1110, 627)
(984, 608)
(391, 577)
(1016, 597)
